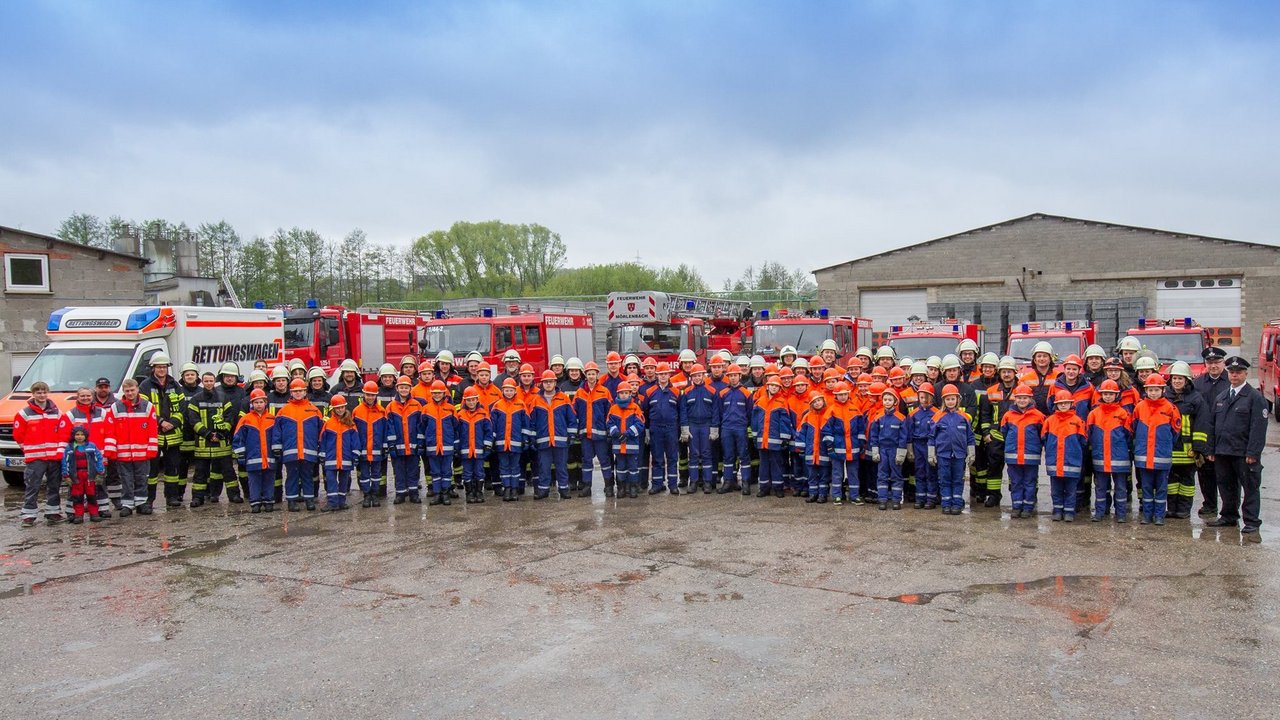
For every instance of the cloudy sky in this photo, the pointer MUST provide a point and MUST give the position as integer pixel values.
(715, 133)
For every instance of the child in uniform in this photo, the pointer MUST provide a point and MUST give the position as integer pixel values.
(340, 452)
(1021, 427)
(1065, 451)
(256, 444)
(887, 438)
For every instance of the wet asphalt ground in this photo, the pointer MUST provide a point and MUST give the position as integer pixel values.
(705, 606)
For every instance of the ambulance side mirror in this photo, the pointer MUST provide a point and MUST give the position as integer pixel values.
(1271, 357)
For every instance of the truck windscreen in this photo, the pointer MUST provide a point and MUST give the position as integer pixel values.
(299, 333)
(646, 339)
(1172, 347)
(1020, 348)
(457, 339)
(804, 337)
(68, 370)
(921, 348)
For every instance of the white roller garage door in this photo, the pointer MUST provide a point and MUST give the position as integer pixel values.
(893, 307)
(1212, 302)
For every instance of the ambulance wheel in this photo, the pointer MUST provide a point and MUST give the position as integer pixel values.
(14, 479)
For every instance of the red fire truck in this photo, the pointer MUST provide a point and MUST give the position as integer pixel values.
(660, 325)
(920, 340)
(535, 335)
(1171, 340)
(325, 336)
(1269, 362)
(806, 332)
(1068, 337)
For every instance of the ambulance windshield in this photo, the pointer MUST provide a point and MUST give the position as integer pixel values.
(646, 339)
(1063, 345)
(804, 337)
(457, 339)
(68, 369)
(1172, 347)
(923, 347)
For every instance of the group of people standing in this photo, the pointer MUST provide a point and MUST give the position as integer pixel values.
(884, 430)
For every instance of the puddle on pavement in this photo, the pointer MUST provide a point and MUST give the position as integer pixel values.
(295, 531)
(1085, 600)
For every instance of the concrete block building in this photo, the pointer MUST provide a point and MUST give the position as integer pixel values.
(1051, 262)
(43, 273)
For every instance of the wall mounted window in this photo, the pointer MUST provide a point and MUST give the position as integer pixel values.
(26, 273)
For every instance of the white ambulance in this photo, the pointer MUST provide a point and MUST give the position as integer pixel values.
(87, 343)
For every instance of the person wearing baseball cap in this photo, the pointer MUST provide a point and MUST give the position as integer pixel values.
(1235, 444)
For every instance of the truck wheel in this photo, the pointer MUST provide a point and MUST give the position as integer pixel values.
(14, 479)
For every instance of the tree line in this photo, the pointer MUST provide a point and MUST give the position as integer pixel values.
(469, 259)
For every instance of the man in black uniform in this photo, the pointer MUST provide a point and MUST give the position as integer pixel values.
(1210, 384)
(1236, 442)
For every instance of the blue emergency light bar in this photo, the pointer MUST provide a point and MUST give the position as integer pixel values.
(439, 314)
(895, 328)
(764, 314)
(690, 305)
(139, 319)
(487, 312)
(1142, 323)
(55, 318)
(259, 305)
(1026, 327)
(823, 313)
(1070, 325)
(1187, 322)
(312, 303)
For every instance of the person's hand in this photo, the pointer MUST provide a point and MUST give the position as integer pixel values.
(648, 438)
(875, 455)
(1251, 460)
(900, 455)
(1212, 457)
(684, 435)
(715, 433)
(933, 457)
(165, 425)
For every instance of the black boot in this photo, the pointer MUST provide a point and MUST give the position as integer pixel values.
(367, 501)
(585, 491)
(197, 501)
(269, 507)
(763, 493)
(293, 506)
(633, 490)
(438, 499)
(311, 505)
(993, 499)
(400, 498)
(779, 492)
(415, 498)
